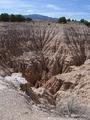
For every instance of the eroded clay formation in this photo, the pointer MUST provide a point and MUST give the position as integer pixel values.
(41, 51)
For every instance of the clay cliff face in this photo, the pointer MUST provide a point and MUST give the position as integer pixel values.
(41, 51)
(77, 81)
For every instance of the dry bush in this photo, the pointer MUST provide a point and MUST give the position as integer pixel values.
(72, 106)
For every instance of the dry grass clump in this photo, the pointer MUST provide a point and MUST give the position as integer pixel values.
(71, 106)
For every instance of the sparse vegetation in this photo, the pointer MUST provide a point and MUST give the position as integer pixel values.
(72, 106)
(64, 20)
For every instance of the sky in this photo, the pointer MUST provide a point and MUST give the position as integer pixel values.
(74, 9)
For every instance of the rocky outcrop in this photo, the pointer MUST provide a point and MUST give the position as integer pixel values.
(56, 83)
(75, 82)
(45, 96)
(53, 85)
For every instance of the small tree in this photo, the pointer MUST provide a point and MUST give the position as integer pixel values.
(69, 20)
(28, 19)
(12, 18)
(62, 20)
(4, 17)
(82, 20)
(20, 18)
(85, 22)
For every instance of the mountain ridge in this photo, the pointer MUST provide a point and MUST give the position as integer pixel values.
(39, 17)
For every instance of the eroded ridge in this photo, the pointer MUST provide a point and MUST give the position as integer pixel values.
(41, 51)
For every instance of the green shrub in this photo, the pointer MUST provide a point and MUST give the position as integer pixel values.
(85, 22)
(4, 17)
(62, 20)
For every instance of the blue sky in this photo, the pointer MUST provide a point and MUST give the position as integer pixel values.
(75, 9)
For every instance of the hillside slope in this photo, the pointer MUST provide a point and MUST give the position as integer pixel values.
(40, 17)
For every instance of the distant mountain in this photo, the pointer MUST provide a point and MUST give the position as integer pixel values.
(39, 17)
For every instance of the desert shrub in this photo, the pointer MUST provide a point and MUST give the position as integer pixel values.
(28, 19)
(49, 24)
(85, 22)
(69, 20)
(62, 20)
(72, 106)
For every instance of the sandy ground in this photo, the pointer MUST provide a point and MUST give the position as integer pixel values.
(13, 106)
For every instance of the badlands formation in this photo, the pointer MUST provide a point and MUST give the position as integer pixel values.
(41, 66)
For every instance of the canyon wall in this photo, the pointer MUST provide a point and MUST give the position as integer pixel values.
(40, 51)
